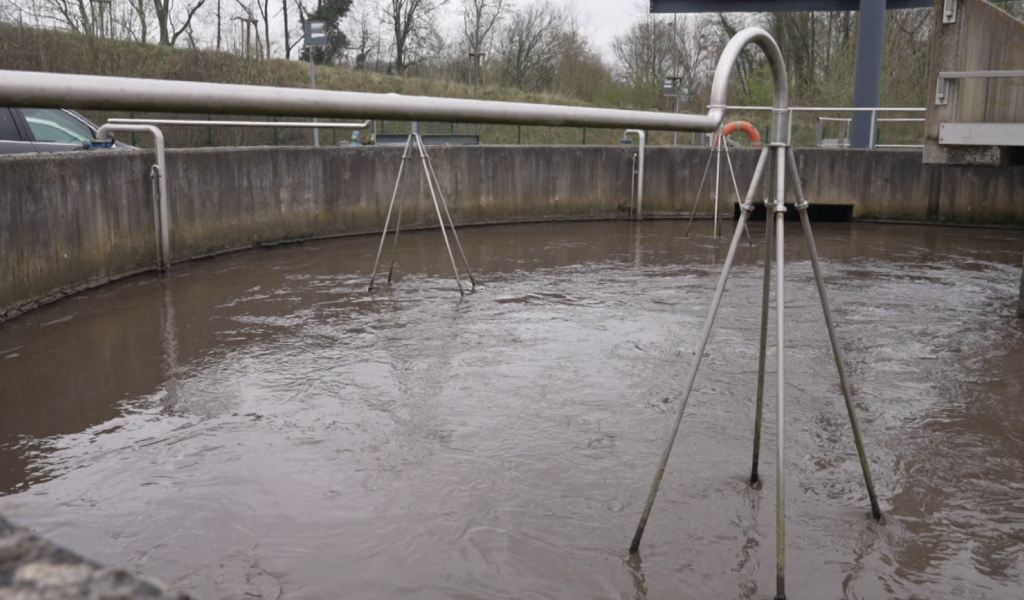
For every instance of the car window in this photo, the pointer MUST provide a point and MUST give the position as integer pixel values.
(8, 130)
(52, 125)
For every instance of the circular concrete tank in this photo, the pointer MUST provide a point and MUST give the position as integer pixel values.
(258, 425)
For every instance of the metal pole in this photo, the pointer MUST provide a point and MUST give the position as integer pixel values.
(433, 196)
(718, 178)
(763, 346)
(387, 219)
(700, 189)
(312, 85)
(154, 177)
(780, 345)
(398, 222)
(736, 188)
(837, 352)
(642, 136)
(675, 134)
(715, 302)
(451, 223)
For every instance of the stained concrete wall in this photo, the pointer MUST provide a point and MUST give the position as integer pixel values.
(72, 220)
(983, 38)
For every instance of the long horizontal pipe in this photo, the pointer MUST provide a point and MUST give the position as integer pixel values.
(54, 90)
(282, 124)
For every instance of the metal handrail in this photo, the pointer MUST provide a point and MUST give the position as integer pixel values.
(942, 81)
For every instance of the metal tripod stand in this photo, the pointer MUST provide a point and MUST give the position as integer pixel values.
(435, 193)
(782, 154)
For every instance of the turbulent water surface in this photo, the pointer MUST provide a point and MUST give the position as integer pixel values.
(259, 426)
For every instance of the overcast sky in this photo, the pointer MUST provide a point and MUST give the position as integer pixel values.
(607, 18)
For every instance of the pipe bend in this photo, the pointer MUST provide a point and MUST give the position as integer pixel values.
(731, 54)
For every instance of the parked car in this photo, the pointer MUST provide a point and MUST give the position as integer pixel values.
(44, 130)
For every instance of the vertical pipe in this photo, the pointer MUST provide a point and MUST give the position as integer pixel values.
(837, 352)
(715, 302)
(209, 133)
(387, 219)
(718, 178)
(154, 177)
(519, 134)
(275, 132)
(165, 217)
(780, 343)
(642, 136)
(312, 85)
(675, 134)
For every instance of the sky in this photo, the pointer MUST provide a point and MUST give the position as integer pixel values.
(607, 18)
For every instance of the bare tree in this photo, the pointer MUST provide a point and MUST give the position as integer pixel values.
(164, 11)
(480, 19)
(411, 23)
(530, 45)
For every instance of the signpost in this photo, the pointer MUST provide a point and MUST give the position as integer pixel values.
(316, 37)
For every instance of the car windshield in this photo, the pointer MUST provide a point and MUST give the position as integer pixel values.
(52, 125)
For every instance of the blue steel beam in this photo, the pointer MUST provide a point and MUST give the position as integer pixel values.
(868, 81)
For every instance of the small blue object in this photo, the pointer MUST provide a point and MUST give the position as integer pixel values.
(626, 141)
(355, 139)
(107, 143)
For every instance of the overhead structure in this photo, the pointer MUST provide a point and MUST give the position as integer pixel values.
(870, 34)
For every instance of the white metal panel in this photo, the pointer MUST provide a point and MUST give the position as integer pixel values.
(981, 134)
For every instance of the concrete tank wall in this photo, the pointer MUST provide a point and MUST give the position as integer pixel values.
(73, 220)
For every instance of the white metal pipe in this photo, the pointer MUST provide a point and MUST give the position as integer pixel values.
(163, 234)
(640, 175)
(58, 90)
(718, 179)
(281, 124)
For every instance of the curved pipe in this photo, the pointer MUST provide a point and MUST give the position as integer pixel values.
(640, 176)
(163, 233)
(34, 89)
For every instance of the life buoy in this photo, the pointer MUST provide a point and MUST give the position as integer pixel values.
(745, 127)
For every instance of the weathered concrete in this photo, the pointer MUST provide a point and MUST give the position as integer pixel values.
(72, 220)
(34, 568)
(984, 38)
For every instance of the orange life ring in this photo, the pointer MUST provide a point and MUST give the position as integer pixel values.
(745, 127)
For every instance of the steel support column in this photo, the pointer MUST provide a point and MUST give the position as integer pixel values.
(868, 81)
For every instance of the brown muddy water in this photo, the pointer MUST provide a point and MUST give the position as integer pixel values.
(259, 426)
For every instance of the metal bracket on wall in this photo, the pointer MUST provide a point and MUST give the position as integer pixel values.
(948, 11)
(942, 83)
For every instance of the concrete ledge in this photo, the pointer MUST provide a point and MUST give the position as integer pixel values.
(74, 220)
(34, 568)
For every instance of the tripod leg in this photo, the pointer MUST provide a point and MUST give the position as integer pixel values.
(715, 302)
(837, 352)
(387, 220)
